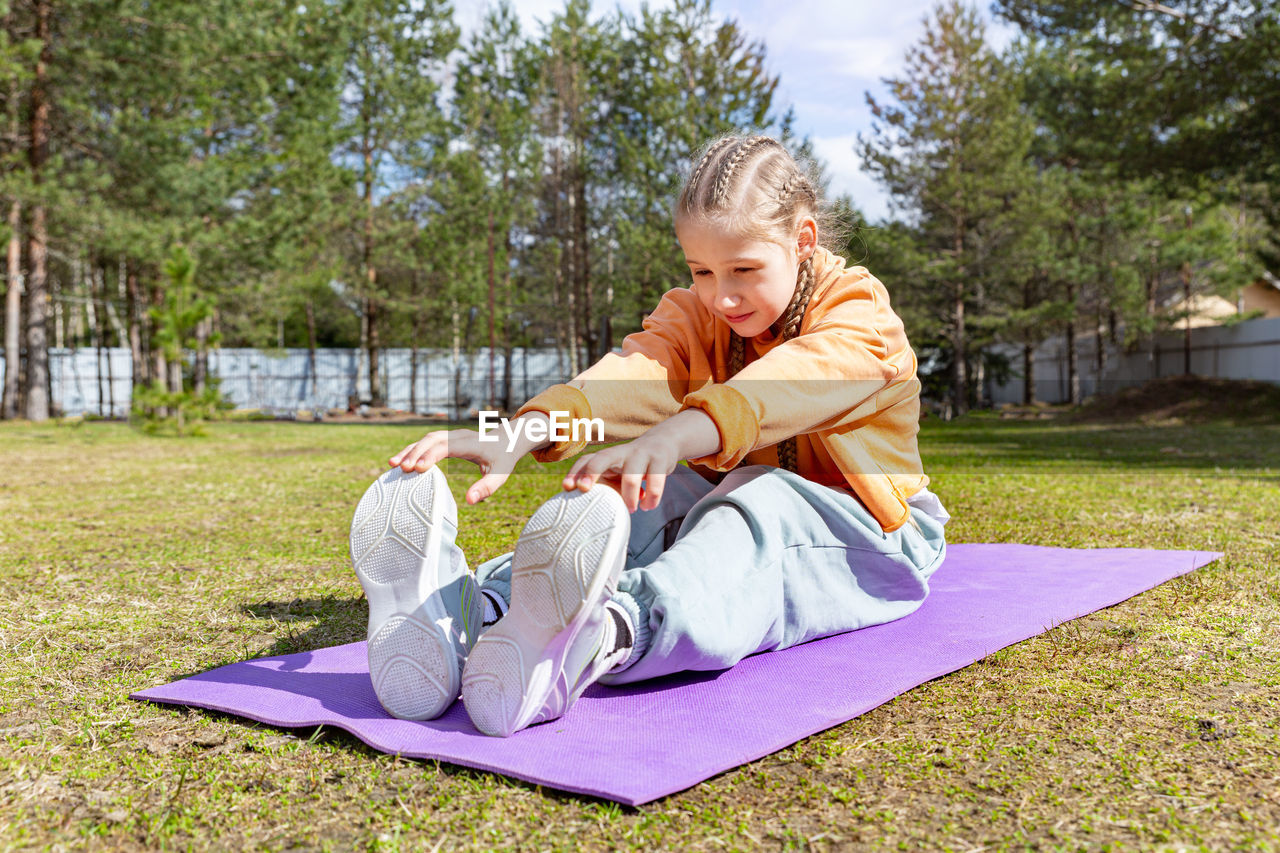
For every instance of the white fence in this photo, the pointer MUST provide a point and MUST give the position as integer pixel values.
(1248, 350)
(283, 382)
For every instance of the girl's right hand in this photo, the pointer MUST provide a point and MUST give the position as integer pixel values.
(495, 461)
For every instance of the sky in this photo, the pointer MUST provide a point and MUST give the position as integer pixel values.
(827, 54)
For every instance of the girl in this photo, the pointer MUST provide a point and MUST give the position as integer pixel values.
(782, 376)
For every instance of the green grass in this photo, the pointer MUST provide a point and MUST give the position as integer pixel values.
(128, 561)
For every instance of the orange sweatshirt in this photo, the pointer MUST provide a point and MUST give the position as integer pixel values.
(846, 386)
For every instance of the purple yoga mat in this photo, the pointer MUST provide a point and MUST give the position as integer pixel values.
(638, 743)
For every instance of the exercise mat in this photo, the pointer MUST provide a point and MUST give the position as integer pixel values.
(637, 743)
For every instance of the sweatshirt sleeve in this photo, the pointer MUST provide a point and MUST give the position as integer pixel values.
(832, 375)
(643, 385)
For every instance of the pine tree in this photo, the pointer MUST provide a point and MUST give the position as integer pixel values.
(683, 79)
(494, 103)
(16, 64)
(1176, 90)
(175, 400)
(396, 52)
(951, 150)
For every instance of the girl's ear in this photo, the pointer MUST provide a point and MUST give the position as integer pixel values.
(806, 238)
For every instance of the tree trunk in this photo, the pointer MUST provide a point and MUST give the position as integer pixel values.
(418, 321)
(311, 351)
(1028, 375)
(1186, 296)
(413, 375)
(1028, 352)
(13, 316)
(582, 244)
(133, 307)
(37, 285)
(98, 302)
(37, 384)
(370, 336)
(9, 397)
(1073, 350)
(158, 367)
(175, 376)
(376, 397)
(507, 344)
(1186, 329)
(200, 366)
(508, 354)
(566, 317)
(455, 327)
(105, 316)
(1100, 353)
(493, 284)
(159, 370)
(606, 338)
(959, 355)
(1153, 359)
(959, 366)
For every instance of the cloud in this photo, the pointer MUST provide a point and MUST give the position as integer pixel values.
(862, 58)
(844, 167)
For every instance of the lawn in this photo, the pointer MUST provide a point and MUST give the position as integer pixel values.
(127, 561)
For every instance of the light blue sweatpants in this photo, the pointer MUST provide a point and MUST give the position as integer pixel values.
(762, 561)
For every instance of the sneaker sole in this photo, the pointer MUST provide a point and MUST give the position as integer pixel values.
(565, 565)
(395, 548)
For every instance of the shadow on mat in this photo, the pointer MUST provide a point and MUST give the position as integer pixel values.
(343, 620)
(328, 733)
(285, 665)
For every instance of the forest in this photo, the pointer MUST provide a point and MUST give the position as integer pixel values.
(178, 176)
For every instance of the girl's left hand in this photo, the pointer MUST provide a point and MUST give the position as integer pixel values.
(636, 470)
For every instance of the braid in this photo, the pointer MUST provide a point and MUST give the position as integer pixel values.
(712, 151)
(736, 353)
(730, 165)
(792, 317)
(777, 193)
(797, 182)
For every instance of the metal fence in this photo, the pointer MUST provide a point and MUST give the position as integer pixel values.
(286, 383)
(1248, 350)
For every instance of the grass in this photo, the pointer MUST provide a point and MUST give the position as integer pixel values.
(128, 561)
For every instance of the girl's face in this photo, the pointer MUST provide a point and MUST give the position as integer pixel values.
(746, 283)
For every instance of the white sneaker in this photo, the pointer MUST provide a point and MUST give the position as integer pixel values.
(424, 605)
(558, 637)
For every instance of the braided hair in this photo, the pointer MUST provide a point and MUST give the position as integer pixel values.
(753, 186)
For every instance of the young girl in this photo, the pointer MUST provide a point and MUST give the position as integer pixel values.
(782, 376)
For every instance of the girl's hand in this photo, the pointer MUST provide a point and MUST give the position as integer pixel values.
(495, 461)
(647, 460)
(636, 470)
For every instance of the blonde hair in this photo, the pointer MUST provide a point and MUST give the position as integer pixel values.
(753, 187)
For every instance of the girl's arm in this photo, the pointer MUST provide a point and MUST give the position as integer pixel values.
(641, 387)
(630, 393)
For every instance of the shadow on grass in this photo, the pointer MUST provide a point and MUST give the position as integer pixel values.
(339, 621)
